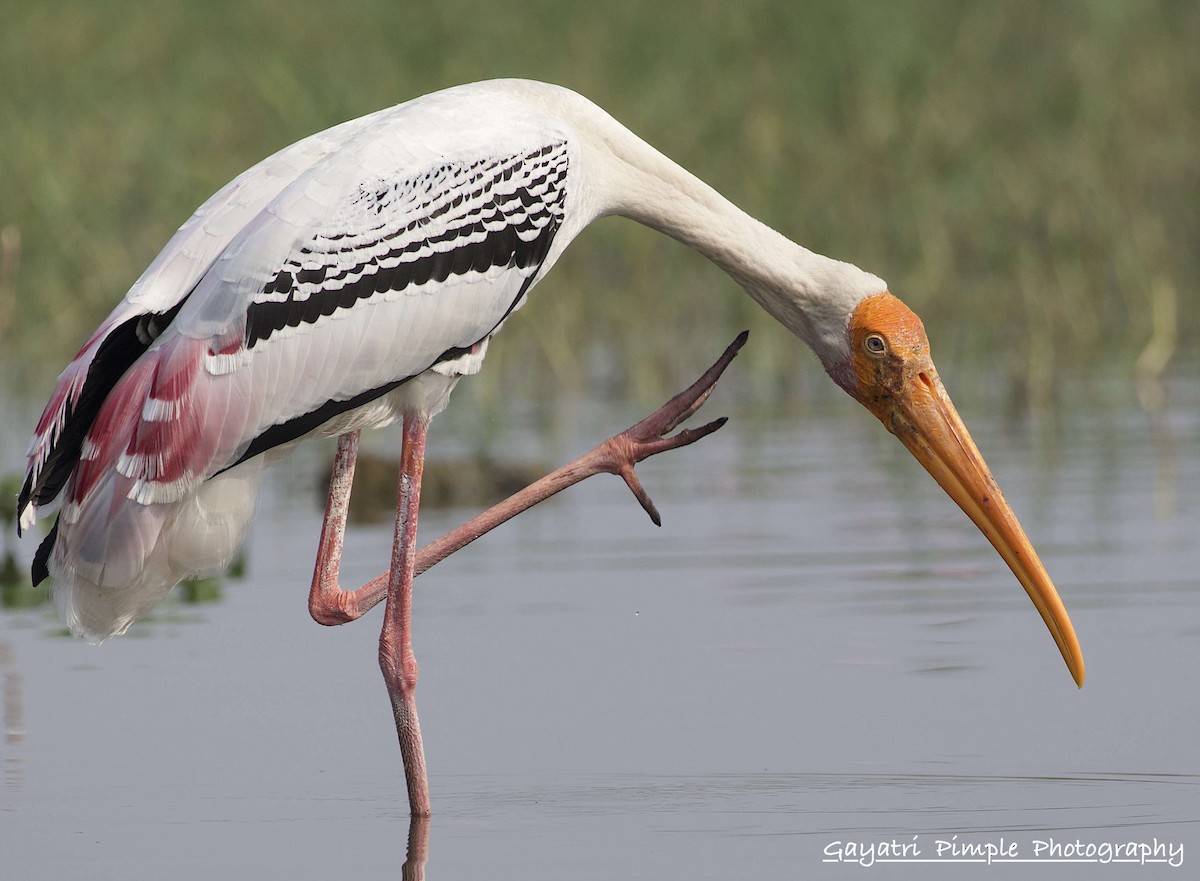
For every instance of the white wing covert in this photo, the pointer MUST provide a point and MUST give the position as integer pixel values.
(294, 324)
(358, 272)
(401, 274)
(150, 305)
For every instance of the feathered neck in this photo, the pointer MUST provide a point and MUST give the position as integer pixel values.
(811, 295)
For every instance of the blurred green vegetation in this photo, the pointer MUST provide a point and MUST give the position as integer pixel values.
(1024, 174)
(10, 573)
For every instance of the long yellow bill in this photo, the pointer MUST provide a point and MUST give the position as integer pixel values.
(891, 373)
(925, 420)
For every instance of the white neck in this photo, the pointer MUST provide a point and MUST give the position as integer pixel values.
(811, 295)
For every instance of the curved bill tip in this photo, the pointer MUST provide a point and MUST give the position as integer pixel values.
(926, 422)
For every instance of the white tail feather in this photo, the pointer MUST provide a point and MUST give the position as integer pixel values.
(119, 558)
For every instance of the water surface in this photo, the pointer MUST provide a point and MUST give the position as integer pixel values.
(817, 647)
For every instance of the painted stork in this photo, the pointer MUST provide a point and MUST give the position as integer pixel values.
(351, 280)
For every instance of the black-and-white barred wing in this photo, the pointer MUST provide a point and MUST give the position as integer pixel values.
(204, 235)
(460, 221)
(354, 280)
(151, 304)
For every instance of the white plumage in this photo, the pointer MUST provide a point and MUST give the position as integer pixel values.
(348, 278)
(351, 280)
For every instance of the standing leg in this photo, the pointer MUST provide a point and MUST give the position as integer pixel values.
(330, 604)
(396, 658)
(418, 850)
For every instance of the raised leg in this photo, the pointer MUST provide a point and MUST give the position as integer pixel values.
(396, 658)
(330, 604)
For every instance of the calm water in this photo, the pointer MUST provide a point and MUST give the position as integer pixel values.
(816, 647)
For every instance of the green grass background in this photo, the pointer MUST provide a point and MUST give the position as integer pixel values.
(1025, 174)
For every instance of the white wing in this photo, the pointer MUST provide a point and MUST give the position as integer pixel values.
(357, 278)
(392, 256)
(150, 305)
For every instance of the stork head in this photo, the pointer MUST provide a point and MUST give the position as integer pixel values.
(889, 371)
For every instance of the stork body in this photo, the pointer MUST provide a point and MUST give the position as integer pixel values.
(351, 279)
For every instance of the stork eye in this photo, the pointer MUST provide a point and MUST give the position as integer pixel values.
(875, 345)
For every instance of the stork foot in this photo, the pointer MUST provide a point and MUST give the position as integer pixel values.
(330, 604)
(617, 455)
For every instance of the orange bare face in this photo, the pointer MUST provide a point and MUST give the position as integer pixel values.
(895, 379)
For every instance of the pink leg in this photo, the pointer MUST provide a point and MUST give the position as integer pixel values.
(328, 603)
(396, 658)
(418, 850)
